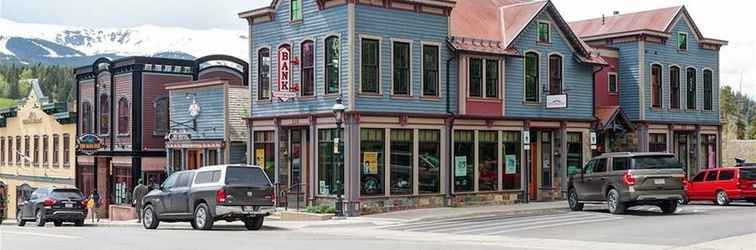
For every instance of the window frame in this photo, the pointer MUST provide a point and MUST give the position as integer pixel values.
(300, 13)
(56, 150)
(156, 130)
(537, 77)
(548, 32)
(302, 68)
(423, 69)
(708, 106)
(470, 77)
(327, 64)
(127, 116)
(102, 115)
(685, 42)
(688, 89)
(409, 69)
(675, 105)
(45, 150)
(609, 76)
(66, 150)
(659, 87)
(497, 63)
(379, 90)
(260, 93)
(484, 61)
(561, 75)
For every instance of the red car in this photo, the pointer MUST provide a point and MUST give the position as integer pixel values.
(723, 185)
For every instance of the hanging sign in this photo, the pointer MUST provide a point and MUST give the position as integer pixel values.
(556, 101)
(89, 144)
(460, 166)
(284, 90)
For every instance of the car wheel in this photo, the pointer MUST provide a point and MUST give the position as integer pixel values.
(668, 207)
(572, 199)
(722, 199)
(57, 223)
(149, 218)
(40, 218)
(19, 219)
(79, 223)
(202, 217)
(616, 206)
(254, 223)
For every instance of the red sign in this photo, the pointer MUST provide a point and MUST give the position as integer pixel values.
(284, 75)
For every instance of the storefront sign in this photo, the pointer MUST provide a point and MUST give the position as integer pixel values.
(460, 166)
(284, 90)
(260, 157)
(510, 163)
(179, 136)
(89, 144)
(526, 139)
(323, 187)
(556, 101)
(370, 162)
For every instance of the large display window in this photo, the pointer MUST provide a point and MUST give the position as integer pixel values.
(402, 158)
(330, 171)
(488, 161)
(511, 155)
(464, 150)
(372, 168)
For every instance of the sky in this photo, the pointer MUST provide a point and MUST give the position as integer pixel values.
(721, 19)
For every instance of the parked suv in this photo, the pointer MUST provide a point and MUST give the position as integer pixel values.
(628, 179)
(209, 194)
(723, 185)
(52, 204)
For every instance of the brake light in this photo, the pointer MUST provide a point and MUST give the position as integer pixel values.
(628, 178)
(220, 196)
(49, 202)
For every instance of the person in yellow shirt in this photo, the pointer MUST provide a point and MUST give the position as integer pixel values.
(91, 206)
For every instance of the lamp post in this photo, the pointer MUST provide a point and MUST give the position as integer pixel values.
(338, 111)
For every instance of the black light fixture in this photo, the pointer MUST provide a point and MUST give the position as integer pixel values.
(338, 111)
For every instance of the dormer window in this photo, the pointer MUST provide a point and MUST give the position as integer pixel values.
(544, 32)
(296, 10)
(682, 41)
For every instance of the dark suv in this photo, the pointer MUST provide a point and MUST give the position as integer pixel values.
(209, 194)
(53, 204)
(628, 179)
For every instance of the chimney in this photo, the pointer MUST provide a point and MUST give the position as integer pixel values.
(616, 12)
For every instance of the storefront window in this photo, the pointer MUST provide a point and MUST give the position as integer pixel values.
(511, 147)
(574, 152)
(122, 185)
(330, 172)
(464, 148)
(371, 156)
(709, 150)
(176, 160)
(429, 172)
(265, 151)
(401, 161)
(657, 143)
(488, 163)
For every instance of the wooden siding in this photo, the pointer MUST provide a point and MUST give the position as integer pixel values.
(316, 25)
(210, 122)
(603, 96)
(237, 153)
(153, 88)
(629, 78)
(405, 26)
(238, 108)
(123, 88)
(577, 79)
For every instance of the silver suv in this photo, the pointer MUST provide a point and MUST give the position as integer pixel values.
(626, 179)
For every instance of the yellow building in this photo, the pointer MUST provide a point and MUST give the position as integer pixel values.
(37, 148)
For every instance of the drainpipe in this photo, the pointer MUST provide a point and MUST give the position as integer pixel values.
(595, 118)
(450, 172)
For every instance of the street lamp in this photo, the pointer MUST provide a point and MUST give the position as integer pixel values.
(338, 111)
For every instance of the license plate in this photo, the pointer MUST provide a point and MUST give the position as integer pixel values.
(248, 208)
(659, 181)
(69, 205)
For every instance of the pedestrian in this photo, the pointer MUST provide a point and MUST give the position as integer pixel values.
(91, 206)
(96, 199)
(139, 191)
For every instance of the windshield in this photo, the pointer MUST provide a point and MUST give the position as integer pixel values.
(748, 173)
(66, 194)
(252, 176)
(656, 162)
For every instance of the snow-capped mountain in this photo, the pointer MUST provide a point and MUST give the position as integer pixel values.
(65, 45)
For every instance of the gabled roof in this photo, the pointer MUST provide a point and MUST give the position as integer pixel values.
(492, 26)
(609, 115)
(656, 21)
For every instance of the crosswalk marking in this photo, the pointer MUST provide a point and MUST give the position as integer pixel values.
(511, 225)
(500, 223)
(553, 225)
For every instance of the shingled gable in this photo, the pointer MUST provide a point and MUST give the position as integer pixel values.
(271, 9)
(491, 26)
(659, 22)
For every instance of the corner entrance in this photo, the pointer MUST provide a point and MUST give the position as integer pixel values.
(294, 160)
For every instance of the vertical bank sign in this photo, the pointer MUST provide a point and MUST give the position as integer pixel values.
(285, 90)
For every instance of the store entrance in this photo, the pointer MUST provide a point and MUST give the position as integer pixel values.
(542, 163)
(684, 151)
(194, 159)
(293, 165)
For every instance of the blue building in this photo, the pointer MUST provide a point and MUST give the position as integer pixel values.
(446, 102)
(665, 79)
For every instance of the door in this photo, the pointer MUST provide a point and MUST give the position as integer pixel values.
(179, 194)
(547, 162)
(163, 200)
(708, 191)
(695, 186)
(596, 179)
(533, 173)
(683, 152)
(297, 179)
(579, 181)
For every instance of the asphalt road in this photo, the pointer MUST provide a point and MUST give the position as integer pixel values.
(693, 226)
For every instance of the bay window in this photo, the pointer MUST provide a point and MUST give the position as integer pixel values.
(123, 116)
(492, 78)
(104, 115)
(161, 116)
(476, 77)
(86, 118)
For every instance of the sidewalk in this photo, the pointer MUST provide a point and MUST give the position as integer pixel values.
(532, 208)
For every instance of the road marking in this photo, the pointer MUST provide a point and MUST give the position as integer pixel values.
(518, 221)
(548, 222)
(42, 235)
(473, 221)
(553, 225)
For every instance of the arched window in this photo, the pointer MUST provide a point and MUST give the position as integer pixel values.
(263, 74)
(656, 88)
(332, 58)
(161, 116)
(691, 98)
(555, 75)
(708, 89)
(308, 68)
(123, 116)
(531, 77)
(86, 118)
(104, 114)
(674, 87)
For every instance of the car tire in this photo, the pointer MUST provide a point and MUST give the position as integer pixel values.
(613, 201)
(58, 223)
(722, 198)
(149, 218)
(573, 201)
(40, 218)
(79, 223)
(668, 207)
(254, 223)
(202, 217)
(19, 219)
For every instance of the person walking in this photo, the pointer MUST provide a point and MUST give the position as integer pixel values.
(96, 199)
(91, 206)
(139, 192)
